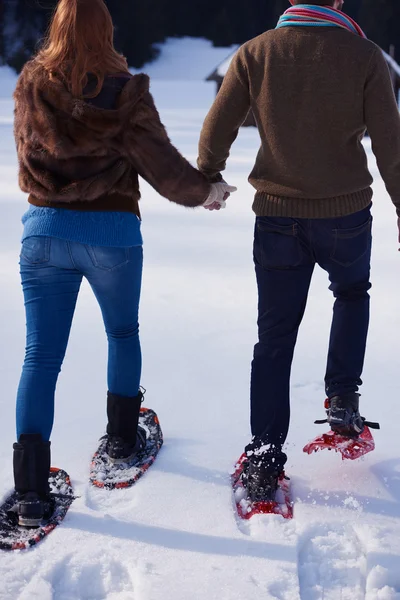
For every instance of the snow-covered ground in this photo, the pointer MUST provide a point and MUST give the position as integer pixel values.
(174, 535)
(186, 59)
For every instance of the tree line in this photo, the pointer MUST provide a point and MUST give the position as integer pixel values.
(141, 25)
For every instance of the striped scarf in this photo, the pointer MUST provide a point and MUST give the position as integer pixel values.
(310, 15)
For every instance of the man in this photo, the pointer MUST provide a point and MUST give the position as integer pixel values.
(315, 84)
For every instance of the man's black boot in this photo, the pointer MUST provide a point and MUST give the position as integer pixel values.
(343, 415)
(260, 482)
(262, 469)
(31, 461)
(124, 436)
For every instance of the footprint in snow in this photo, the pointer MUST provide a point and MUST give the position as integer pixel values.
(99, 576)
(331, 564)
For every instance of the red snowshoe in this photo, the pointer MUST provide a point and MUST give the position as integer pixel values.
(350, 433)
(246, 507)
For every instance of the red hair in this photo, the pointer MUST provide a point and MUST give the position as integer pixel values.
(80, 41)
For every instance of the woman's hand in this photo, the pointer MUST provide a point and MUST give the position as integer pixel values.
(218, 194)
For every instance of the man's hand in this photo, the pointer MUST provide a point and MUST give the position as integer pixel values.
(218, 194)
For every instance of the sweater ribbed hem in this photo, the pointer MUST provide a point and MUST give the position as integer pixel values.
(112, 229)
(267, 205)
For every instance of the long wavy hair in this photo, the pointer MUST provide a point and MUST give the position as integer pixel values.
(80, 41)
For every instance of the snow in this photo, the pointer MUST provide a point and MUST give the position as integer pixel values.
(185, 59)
(174, 535)
(223, 67)
(7, 83)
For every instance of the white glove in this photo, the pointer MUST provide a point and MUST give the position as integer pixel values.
(219, 193)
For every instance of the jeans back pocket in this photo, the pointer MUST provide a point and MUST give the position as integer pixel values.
(108, 258)
(36, 250)
(350, 245)
(276, 243)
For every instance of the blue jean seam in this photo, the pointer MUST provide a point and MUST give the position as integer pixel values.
(71, 256)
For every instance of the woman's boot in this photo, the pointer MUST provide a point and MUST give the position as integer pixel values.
(124, 436)
(31, 475)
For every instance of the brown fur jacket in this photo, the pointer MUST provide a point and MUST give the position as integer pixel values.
(75, 155)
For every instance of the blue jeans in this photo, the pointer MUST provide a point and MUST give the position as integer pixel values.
(285, 253)
(51, 273)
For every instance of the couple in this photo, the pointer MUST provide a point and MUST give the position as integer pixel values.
(85, 129)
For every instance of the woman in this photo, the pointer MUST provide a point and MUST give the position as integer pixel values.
(85, 128)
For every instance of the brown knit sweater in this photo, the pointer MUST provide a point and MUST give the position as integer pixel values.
(75, 155)
(314, 92)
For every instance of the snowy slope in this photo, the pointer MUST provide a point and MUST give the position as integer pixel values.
(174, 536)
(186, 59)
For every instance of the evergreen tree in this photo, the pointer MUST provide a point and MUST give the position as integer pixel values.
(380, 20)
(138, 26)
(141, 24)
(352, 8)
(24, 23)
(2, 36)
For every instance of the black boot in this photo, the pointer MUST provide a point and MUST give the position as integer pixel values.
(343, 415)
(124, 437)
(259, 481)
(264, 465)
(31, 475)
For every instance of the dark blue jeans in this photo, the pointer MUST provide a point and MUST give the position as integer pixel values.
(285, 253)
(51, 273)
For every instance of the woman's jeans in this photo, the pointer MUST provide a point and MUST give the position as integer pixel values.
(285, 253)
(51, 273)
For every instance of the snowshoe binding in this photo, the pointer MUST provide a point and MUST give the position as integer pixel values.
(258, 490)
(25, 520)
(117, 464)
(350, 432)
(119, 451)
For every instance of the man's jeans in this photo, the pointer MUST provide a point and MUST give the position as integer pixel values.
(285, 253)
(52, 272)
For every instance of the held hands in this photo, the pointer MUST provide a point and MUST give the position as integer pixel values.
(218, 194)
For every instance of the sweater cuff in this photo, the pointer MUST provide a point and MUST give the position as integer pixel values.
(215, 177)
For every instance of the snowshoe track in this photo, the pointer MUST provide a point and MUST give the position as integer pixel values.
(332, 564)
